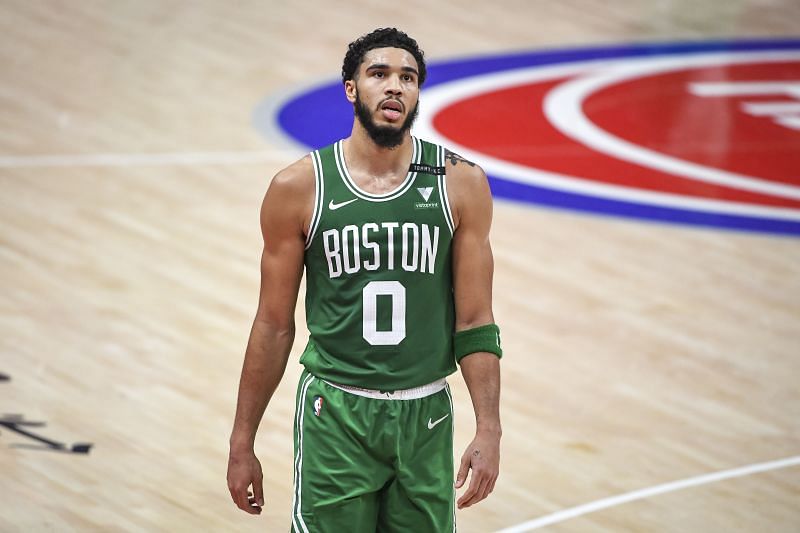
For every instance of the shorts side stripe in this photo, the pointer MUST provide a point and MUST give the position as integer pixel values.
(452, 431)
(297, 517)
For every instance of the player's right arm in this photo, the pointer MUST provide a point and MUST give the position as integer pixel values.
(285, 213)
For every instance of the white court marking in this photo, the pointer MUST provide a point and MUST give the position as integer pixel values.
(142, 160)
(564, 108)
(672, 486)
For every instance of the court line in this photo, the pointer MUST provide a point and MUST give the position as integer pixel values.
(672, 486)
(138, 160)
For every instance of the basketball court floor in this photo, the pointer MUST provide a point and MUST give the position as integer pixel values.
(644, 158)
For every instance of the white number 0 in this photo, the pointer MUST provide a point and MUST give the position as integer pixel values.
(371, 291)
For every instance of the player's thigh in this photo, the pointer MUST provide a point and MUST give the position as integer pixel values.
(421, 498)
(355, 515)
(336, 473)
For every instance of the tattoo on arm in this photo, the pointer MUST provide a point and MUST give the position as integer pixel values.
(476, 453)
(455, 159)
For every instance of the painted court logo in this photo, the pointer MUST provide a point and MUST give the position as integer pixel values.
(692, 133)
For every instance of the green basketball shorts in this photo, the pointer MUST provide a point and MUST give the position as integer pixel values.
(366, 461)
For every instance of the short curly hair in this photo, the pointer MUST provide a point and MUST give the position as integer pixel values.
(381, 38)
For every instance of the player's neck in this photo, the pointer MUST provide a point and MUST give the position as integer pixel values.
(364, 157)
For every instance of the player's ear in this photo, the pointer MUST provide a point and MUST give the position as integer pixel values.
(350, 91)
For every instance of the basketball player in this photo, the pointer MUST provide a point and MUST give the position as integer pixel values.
(393, 232)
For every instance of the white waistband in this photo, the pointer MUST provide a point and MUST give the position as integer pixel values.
(403, 394)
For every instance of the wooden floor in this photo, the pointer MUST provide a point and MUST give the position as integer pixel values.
(637, 353)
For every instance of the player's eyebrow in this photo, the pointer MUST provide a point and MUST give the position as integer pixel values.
(384, 66)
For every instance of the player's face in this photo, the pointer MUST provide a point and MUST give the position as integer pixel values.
(385, 94)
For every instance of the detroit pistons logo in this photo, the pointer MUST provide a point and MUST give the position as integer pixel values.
(704, 133)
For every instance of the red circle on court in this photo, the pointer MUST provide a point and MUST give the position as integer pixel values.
(657, 112)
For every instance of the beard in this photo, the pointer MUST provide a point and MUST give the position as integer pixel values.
(384, 136)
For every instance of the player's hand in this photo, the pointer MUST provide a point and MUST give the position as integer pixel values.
(244, 470)
(482, 456)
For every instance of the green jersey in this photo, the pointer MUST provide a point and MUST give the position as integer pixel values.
(379, 291)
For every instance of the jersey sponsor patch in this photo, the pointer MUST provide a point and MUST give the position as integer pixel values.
(425, 193)
(693, 133)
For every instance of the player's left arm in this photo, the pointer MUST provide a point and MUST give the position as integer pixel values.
(473, 267)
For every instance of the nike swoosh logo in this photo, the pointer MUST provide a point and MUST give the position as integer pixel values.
(334, 206)
(432, 424)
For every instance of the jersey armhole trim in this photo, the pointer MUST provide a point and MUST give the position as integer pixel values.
(442, 178)
(319, 195)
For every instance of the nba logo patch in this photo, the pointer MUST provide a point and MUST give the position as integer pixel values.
(318, 401)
